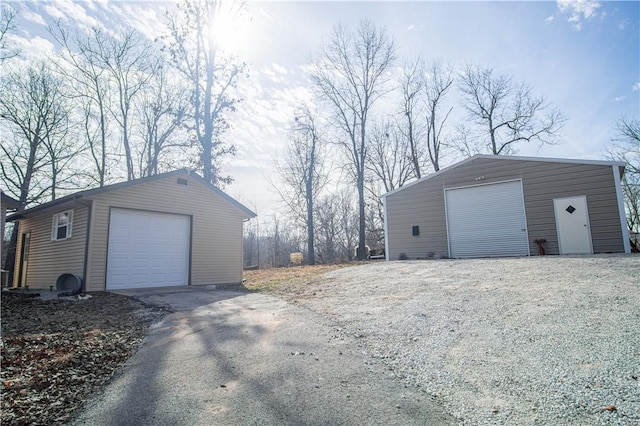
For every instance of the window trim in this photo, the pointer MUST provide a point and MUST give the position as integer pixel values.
(55, 226)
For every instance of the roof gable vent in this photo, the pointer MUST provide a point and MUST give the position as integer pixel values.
(183, 181)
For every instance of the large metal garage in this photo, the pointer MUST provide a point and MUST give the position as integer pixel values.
(491, 205)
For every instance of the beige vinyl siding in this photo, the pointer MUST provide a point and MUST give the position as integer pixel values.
(423, 204)
(216, 246)
(47, 259)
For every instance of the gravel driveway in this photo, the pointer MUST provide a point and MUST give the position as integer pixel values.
(237, 358)
(541, 340)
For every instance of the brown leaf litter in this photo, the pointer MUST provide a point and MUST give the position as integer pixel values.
(57, 353)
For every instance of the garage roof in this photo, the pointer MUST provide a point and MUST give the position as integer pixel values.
(81, 194)
(620, 164)
(8, 202)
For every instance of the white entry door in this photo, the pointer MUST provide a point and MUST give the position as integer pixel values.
(147, 249)
(572, 224)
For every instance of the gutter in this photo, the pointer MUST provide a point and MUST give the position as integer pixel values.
(26, 213)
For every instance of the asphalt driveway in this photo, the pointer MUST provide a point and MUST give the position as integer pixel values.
(227, 357)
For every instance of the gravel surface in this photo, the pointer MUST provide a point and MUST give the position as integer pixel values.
(541, 340)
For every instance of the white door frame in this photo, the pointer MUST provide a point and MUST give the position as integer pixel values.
(587, 225)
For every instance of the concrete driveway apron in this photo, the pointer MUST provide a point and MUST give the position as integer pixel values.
(236, 358)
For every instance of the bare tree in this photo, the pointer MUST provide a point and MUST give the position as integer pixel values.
(507, 112)
(7, 26)
(196, 54)
(389, 166)
(129, 62)
(276, 241)
(437, 83)
(33, 114)
(302, 172)
(625, 147)
(87, 76)
(337, 220)
(327, 229)
(412, 111)
(390, 160)
(628, 143)
(351, 75)
(162, 113)
(33, 110)
(62, 147)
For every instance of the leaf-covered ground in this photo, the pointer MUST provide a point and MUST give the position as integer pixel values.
(57, 353)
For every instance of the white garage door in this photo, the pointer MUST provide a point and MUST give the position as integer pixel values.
(487, 220)
(147, 249)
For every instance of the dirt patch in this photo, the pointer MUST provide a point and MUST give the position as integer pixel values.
(57, 353)
(287, 281)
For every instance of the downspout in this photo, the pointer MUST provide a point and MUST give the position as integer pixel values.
(89, 205)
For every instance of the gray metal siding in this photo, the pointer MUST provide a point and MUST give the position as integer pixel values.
(422, 204)
(47, 259)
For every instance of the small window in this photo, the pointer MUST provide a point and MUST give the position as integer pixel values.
(62, 225)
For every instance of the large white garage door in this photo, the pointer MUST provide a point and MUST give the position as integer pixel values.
(147, 249)
(487, 220)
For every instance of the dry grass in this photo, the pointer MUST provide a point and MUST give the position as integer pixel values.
(287, 280)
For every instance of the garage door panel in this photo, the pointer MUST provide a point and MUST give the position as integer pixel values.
(147, 249)
(487, 220)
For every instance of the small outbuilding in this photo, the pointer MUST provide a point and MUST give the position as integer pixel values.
(170, 229)
(508, 206)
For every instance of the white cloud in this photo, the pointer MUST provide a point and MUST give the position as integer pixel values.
(145, 18)
(636, 86)
(71, 11)
(580, 10)
(54, 12)
(275, 73)
(33, 17)
(619, 98)
(279, 68)
(35, 47)
(550, 19)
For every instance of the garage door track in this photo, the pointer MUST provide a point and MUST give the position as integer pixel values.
(231, 357)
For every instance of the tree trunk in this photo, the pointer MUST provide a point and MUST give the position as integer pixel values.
(414, 152)
(362, 253)
(207, 143)
(311, 257)
(127, 148)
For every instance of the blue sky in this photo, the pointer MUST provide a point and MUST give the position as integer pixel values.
(583, 56)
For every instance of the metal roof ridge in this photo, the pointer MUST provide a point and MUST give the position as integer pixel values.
(506, 157)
